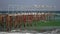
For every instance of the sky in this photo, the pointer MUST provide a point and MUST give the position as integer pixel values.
(24, 5)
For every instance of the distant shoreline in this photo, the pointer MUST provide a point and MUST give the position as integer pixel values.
(29, 12)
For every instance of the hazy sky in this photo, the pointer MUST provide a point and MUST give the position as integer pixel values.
(29, 4)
